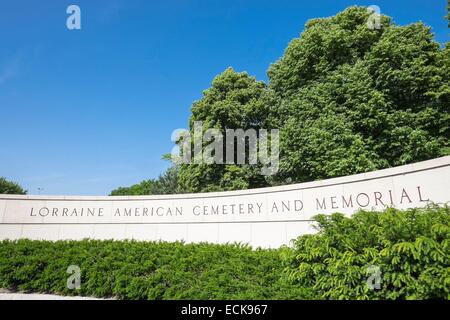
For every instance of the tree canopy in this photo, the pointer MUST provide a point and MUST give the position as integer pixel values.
(235, 100)
(346, 98)
(8, 187)
(167, 183)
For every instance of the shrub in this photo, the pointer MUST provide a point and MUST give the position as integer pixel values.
(410, 249)
(147, 270)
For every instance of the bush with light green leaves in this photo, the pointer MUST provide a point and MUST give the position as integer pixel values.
(390, 255)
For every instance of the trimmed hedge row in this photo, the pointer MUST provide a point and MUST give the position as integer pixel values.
(147, 270)
(389, 255)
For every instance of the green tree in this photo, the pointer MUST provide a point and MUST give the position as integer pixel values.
(234, 101)
(347, 98)
(324, 46)
(167, 183)
(355, 99)
(8, 187)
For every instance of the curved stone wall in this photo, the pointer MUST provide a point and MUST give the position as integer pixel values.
(266, 217)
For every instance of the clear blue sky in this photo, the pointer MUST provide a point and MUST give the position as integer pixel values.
(85, 111)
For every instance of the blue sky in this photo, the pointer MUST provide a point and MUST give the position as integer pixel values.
(85, 111)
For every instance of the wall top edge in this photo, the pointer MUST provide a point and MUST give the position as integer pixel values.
(394, 171)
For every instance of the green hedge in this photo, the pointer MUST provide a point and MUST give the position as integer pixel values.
(406, 252)
(147, 270)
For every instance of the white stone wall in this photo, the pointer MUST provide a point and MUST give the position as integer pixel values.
(266, 217)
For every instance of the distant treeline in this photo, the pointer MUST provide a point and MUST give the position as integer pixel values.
(9, 187)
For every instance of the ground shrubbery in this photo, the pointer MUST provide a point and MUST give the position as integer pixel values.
(147, 270)
(410, 249)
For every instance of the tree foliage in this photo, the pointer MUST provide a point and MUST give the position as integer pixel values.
(234, 101)
(167, 183)
(8, 187)
(346, 98)
(354, 99)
